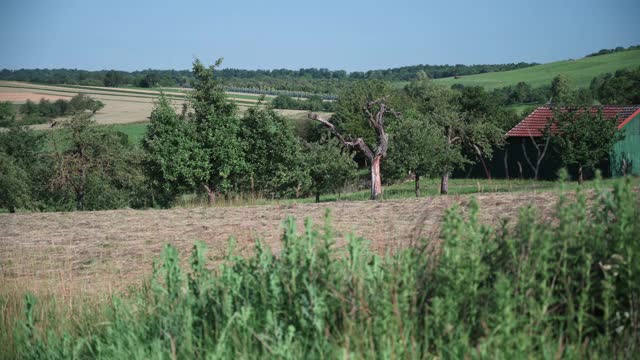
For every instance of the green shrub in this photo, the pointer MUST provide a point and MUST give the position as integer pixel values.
(551, 285)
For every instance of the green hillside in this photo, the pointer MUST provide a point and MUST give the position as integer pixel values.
(580, 71)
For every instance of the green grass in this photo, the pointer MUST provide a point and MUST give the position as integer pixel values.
(135, 132)
(554, 285)
(580, 71)
(406, 190)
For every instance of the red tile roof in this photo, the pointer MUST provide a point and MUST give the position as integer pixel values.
(534, 124)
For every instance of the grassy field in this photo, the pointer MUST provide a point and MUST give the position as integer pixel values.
(436, 277)
(93, 251)
(580, 71)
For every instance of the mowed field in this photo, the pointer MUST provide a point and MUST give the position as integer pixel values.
(122, 105)
(580, 71)
(95, 252)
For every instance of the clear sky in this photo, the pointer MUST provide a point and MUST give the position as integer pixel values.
(349, 35)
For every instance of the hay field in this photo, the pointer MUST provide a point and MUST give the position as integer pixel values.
(72, 253)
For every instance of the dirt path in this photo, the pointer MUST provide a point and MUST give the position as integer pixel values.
(90, 251)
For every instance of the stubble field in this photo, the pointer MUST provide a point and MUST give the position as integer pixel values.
(67, 254)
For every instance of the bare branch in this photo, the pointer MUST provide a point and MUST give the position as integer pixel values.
(357, 144)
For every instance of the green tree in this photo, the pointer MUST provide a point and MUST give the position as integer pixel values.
(349, 117)
(113, 78)
(95, 164)
(622, 88)
(464, 132)
(561, 91)
(95, 106)
(274, 158)
(584, 137)
(29, 108)
(14, 184)
(201, 148)
(24, 147)
(7, 114)
(374, 151)
(174, 161)
(217, 130)
(149, 80)
(329, 165)
(415, 143)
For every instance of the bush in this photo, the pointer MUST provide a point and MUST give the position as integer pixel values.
(567, 286)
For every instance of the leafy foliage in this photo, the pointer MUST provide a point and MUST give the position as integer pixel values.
(174, 160)
(621, 88)
(97, 166)
(584, 138)
(14, 184)
(329, 165)
(274, 155)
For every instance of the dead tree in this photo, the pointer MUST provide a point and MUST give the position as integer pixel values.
(376, 120)
(541, 151)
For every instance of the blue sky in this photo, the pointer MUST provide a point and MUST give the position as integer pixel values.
(350, 35)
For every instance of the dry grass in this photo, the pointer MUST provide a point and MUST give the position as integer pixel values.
(96, 252)
(21, 97)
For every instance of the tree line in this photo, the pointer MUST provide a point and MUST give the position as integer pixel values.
(31, 113)
(151, 78)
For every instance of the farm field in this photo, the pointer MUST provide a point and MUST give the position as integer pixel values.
(580, 71)
(108, 250)
(101, 251)
(122, 105)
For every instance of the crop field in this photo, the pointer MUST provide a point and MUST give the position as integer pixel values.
(78, 252)
(122, 105)
(580, 71)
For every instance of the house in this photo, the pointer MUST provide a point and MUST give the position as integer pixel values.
(625, 157)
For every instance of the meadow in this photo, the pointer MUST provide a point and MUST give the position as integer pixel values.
(550, 274)
(579, 71)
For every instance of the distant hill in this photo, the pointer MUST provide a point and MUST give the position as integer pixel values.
(580, 71)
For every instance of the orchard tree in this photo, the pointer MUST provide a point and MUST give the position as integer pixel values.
(541, 145)
(415, 147)
(7, 114)
(217, 131)
(460, 129)
(174, 159)
(375, 112)
(274, 159)
(14, 184)
(349, 117)
(584, 138)
(329, 165)
(201, 148)
(92, 161)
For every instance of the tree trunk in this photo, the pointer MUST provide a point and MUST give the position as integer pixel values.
(376, 179)
(80, 200)
(211, 194)
(253, 194)
(520, 170)
(506, 164)
(317, 196)
(580, 177)
(444, 184)
(417, 185)
(484, 165)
